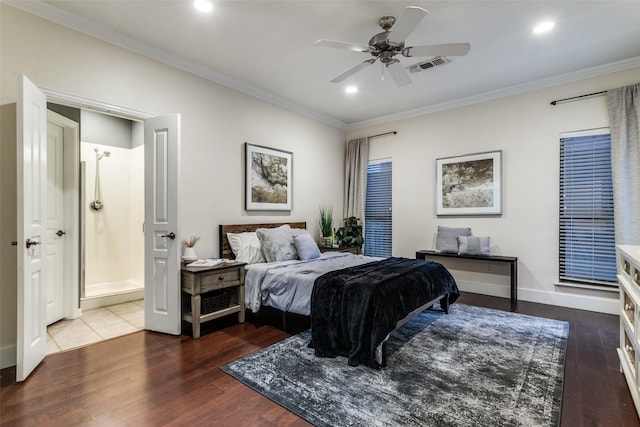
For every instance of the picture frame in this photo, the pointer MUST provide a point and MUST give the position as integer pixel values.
(268, 178)
(470, 184)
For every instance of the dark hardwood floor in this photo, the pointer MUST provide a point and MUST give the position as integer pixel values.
(149, 379)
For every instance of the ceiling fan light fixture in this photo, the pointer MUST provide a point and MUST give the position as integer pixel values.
(390, 42)
(203, 5)
(543, 27)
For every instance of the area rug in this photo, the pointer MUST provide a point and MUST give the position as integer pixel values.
(471, 367)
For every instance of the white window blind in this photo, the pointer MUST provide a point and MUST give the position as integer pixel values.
(587, 242)
(377, 224)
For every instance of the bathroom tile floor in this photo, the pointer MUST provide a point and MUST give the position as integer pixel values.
(96, 325)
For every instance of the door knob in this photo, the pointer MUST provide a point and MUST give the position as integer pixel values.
(170, 235)
(60, 233)
(32, 243)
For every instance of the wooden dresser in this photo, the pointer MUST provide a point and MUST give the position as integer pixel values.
(629, 352)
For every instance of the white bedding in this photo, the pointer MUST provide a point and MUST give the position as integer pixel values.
(287, 285)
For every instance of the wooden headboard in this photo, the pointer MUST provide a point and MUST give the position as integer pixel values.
(224, 248)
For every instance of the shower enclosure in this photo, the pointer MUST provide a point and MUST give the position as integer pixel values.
(112, 211)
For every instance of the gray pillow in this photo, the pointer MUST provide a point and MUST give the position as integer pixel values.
(468, 245)
(306, 247)
(277, 243)
(447, 239)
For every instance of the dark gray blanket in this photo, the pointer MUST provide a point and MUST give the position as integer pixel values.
(354, 309)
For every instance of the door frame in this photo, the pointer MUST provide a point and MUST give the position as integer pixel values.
(71, 223)
(82, 103)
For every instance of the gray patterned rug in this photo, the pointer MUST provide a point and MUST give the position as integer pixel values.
(472, 367)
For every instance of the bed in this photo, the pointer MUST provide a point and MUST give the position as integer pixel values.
(354, 302)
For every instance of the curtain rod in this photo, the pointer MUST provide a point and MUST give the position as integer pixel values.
(383, 134)
(604, 92)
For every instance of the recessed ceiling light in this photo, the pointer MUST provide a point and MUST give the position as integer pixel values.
(543, 27)
(351, 89)
(203, 5)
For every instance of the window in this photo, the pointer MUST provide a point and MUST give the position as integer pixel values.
(587, 242)
(377, 224)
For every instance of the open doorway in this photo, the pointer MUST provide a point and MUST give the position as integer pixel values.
(111, 215)
(162, 311)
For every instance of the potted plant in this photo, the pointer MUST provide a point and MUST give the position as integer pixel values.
(350, 234)
(326, 224)
(189, 252)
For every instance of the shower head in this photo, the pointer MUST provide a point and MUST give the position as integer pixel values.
(104, 154)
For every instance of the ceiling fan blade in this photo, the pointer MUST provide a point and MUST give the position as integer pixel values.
(398, 73)
(450, 49)
(343, 45)
(409, 20)
(351, 71)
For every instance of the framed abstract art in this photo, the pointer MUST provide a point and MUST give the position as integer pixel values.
(469, 184)
(268, 178)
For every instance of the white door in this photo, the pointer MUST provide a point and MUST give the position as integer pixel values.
(55, 229)
(31, 210)
(63, 193)
(162, 245)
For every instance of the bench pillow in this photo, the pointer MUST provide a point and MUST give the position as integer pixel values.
(468, 245)
(447, 239)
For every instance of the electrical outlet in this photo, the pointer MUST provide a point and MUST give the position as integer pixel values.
(489, 268)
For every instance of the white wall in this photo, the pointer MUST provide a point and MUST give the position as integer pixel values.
(526, 128)
(216, 121)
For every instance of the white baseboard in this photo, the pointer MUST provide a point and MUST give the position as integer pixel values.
(7, 356)
(580, 302)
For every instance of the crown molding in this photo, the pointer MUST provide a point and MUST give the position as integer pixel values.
(54, 14)
(502, 93)
(66, 19)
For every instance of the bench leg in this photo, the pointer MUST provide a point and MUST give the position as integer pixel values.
(444, 303)
(514, 283)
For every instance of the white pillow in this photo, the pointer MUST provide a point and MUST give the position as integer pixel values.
(306, 247)
(246, 247)
(277, 243)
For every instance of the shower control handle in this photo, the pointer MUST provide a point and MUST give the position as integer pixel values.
(170, 235)
(60, 233)
(32, 243)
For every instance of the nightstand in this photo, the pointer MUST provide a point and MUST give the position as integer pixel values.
(353, 249)
(214, 292)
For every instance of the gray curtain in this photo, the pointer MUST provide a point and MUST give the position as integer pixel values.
(624, 116)
(355, 178)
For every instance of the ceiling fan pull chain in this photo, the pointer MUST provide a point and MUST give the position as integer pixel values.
(381, 72)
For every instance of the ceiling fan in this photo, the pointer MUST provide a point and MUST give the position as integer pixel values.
(387, 44)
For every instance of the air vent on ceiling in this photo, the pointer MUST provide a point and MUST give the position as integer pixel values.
(433, 62)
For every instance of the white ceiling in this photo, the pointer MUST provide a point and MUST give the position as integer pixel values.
(266, 48)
